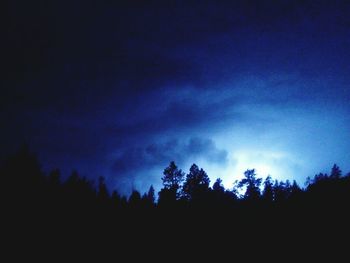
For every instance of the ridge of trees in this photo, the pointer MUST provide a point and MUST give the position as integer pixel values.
(22, 177)
(45, 213)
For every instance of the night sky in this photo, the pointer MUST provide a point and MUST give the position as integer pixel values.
(121, 88)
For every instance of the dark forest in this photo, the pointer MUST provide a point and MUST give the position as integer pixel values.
(43, 208)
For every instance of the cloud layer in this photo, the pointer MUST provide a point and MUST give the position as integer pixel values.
(122, 88)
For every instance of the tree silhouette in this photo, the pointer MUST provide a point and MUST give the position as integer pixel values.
(173, 177)
(295, 189)
(268, 193)
(218, 187)
(282, 191)
(102, 193)
(148, 198)
(335, 172)
(222, 198)
(172, 181)
(196, 186)
(150, 195)
(218, 192)
(252, 185)
(135, 199)
(116, 200)
(79, 193)
(54, 178)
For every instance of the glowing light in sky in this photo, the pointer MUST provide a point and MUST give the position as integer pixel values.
(264, 162)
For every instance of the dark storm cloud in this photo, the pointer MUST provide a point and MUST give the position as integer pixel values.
(153, 155)
(59, 50)
(182, 114)
(56, 51)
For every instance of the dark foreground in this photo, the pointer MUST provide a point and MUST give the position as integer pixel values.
(46, 219)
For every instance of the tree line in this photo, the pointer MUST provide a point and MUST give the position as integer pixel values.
(43, 212)
(23, 180)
